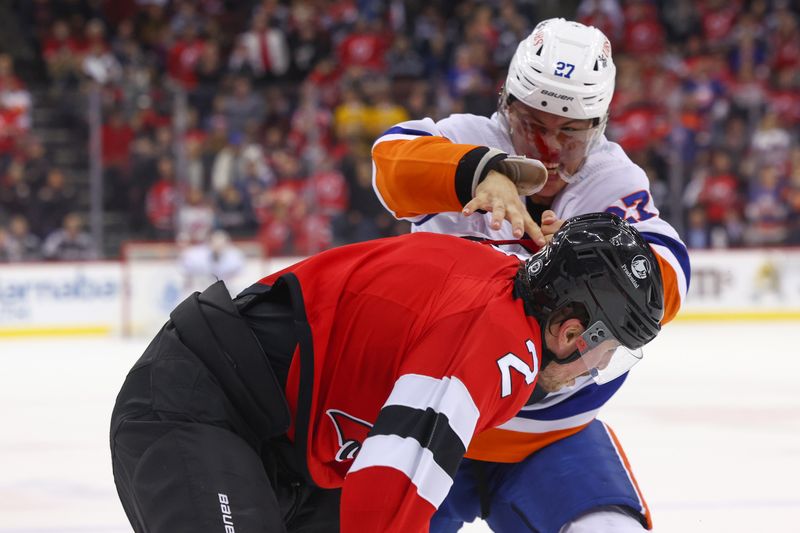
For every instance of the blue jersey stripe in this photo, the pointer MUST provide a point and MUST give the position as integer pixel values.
(676, 247)
(424, 220)
(588, 398)
(405, 131)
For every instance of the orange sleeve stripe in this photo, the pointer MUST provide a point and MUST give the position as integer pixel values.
(417, 176)
(627, 464)
(504, 446)
(672, 297)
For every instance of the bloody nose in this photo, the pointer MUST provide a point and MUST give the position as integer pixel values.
(549, 150)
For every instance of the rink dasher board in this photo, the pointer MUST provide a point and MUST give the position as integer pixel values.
(119, 297)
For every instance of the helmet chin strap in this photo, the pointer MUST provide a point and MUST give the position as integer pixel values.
(549, 357)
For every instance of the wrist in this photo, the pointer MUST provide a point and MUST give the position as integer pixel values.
(529, 176)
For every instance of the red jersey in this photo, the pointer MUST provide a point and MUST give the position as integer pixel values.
(419, 343)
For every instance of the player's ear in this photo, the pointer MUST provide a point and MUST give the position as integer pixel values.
(569, 331)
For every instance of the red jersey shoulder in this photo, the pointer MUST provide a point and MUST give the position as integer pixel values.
(494, 350)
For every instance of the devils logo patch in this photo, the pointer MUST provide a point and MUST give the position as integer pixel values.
(350, 431)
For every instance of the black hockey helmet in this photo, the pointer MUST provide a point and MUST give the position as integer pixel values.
(600, 263)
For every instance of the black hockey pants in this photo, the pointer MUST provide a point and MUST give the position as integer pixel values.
(197, 440)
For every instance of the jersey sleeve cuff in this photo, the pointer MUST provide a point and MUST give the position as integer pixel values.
(472, 169)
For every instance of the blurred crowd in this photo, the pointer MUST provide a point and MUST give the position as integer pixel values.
(257, 117)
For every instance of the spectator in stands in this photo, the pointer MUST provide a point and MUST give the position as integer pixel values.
(771, 143)
(436, 50)
(53, 201)
(262, 51)
(765, 208)
(234, 212)
(405, 64)
(69, 242)
(784, 41)
(792, 198)
(479, 26)
(15, 109)
(364, 48)
(734, 138)
(197, 163)
(254, 177)
(605, 15)
(784, 98)
(748, 49)
(327, 193)
(16, 194)
(698, 235)
(162, 200)
(37, 162)
(242, 106)
(308, 42)
(7, 249)
(117, 137)
(366, 218)
(209, 72)
(312, 231)
(195, 217)
(125, 46)
(467, 79)
(325, 78)
(513, 27)
(643, 33)
(279, 108)
(383, 111)
(747, 91)
(350, 116)
(310, 127)
(185, 13)
(99, 63)
(227, 163)
(735, 230)
(28, 245)
(183, 55)
(720, 191)
(420, 102)
(62, 54)
(274, 212)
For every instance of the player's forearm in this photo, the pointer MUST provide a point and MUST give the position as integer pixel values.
(429, 174)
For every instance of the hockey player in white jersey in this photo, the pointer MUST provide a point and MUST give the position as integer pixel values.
(540, 159)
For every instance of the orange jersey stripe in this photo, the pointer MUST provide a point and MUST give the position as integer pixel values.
(627, 464)
(672, 297)
(504, 446)
(416, 177)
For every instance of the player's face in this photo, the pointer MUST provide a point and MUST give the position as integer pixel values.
(600, 354)
(554, 377)
(560, 143)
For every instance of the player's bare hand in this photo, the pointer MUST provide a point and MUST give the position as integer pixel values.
(498, 195)
(550, 224)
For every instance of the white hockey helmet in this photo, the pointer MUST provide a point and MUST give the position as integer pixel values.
(564, 68)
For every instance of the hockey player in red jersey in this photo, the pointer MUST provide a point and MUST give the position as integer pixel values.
(341, 393)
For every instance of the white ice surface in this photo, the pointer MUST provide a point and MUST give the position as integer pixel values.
(710, 421)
